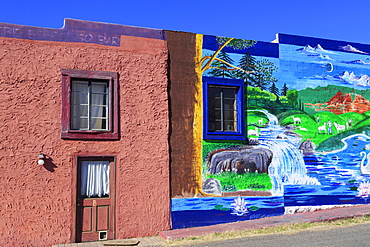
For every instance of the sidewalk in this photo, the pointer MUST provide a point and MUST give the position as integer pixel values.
(320, 215)
(146, 241)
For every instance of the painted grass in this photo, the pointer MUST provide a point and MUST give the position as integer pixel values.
(284, 229)
(231, 181)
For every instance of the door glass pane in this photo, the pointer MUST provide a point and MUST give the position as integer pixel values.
(95, 179)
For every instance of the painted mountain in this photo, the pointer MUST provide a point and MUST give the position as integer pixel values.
(351, 49)
(317, 49)
(340, 103)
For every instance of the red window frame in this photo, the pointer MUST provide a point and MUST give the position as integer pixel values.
(67, 133)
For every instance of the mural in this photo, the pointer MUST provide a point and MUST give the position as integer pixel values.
(308, 131)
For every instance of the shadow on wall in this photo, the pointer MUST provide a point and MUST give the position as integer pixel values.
(49, 164)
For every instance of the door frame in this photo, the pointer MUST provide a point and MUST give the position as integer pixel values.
(76, 160)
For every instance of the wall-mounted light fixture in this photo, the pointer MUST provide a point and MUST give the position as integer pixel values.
(41, 158)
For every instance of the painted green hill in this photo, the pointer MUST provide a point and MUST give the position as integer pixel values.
(324, 94)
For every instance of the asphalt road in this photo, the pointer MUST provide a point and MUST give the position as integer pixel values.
(352, 236)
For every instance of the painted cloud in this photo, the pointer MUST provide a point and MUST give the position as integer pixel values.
(351, 78)
(343, 78)
(359, 61)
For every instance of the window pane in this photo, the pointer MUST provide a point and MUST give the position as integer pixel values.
(78, 123)
(214, 91)
(98, 124)
(79, 98)
(89, 105)
(229, 115)
(98, 111)
(229, 93)
(218, 126)
(214, 126)
(222, 108)
(217, 115)
(98, 87)
(80, 86)
(211, 115)
(211, 126)
(214, 108)
(98, 99)
(79, 111)
(217, 103)
(229, 104)
(229, 126)
(214, 104)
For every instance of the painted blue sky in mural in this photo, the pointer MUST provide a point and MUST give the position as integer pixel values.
(317, 66)
(317, 62)
(246, 19)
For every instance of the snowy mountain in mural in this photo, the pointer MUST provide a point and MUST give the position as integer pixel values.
(317, 49)
(351, 49)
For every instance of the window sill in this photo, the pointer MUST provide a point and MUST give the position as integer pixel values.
(90, 135)
(233, 136)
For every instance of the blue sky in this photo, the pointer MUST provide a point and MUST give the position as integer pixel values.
(246, 19)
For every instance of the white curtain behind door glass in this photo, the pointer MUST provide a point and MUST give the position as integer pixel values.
(95, 178)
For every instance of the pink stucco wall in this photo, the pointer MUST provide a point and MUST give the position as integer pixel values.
(36, 206)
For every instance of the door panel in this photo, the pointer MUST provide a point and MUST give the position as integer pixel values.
(102, 218)
(95, 199)
(87, 219)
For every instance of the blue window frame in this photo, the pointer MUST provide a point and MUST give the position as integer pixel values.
(223, 109)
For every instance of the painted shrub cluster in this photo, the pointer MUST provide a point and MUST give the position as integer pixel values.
(307, 130)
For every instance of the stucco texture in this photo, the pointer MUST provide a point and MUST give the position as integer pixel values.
(37, 202)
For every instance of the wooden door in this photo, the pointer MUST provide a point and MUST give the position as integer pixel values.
(95, 199)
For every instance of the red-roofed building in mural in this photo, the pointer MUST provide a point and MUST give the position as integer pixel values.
(112, 132)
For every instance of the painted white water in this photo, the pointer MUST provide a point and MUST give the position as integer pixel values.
(287, 165)
(274, 131)
(273, 121)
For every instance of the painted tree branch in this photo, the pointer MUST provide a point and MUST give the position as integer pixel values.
(228, 64)
(208, 64)
(214, 57)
